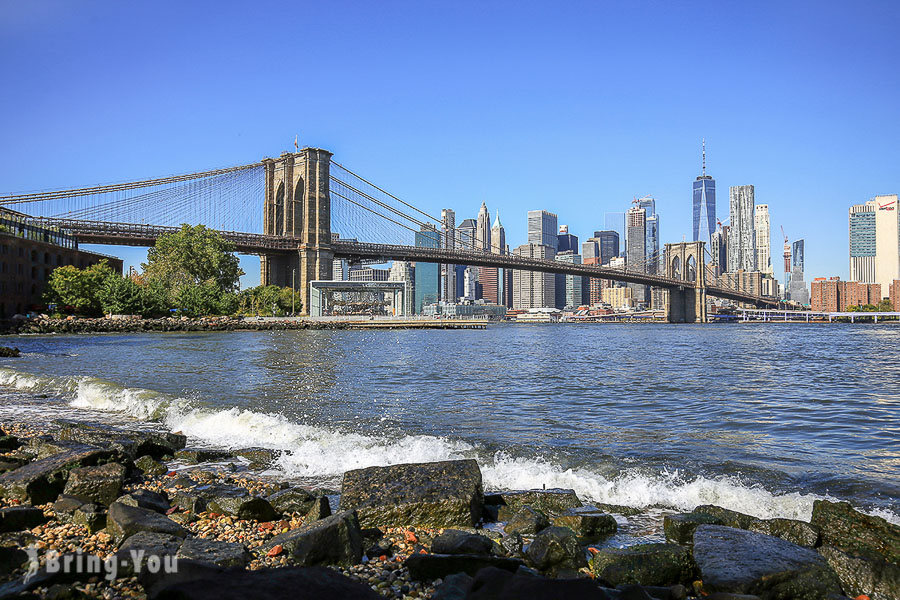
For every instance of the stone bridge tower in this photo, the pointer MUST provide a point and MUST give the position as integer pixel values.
(686, 261)
(298, 205)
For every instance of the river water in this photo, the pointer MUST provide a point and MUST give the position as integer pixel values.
(761, 418)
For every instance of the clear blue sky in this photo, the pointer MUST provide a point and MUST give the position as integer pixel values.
(569, 107)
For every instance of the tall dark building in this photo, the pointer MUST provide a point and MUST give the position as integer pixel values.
(566, 242)
(608, 242)
(704, 204)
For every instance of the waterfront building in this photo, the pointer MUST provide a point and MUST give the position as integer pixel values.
(741, 232)
(532, 289)
(763, 239)
(29, 252)
(402, 270)
(618, 297)
(704, 213)
(887, 240)
(427, 275)
(858, 293)
(894, 295)
(542, 229)
(360, 273)
(568, 287)
(615, 221)
(463, 310)
(636, 258)
(751, 282)
(797, 291)
(824, 294)
(448, 241)
(862, 242)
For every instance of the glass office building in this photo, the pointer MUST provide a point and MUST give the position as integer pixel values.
(428, 275)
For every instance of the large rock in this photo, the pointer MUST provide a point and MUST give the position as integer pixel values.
(259, 458)
(527, 521)
(587, 522)
(731, 518)
(551, 502)
(497, 584)
(556, 550)
(878, 579)
(427, 567)
(124, 521)
(139, 547)
(438, 494)
(43, 480)
(292, 500)
(236, 501)
(796, 532)
(224, 554)
(334, 540)
(149, 466)
(20, 518)
(194, 456)
(680, 528)
(744, 562)
(453, 541)
(146, 499)
(130, 443)
(101, 484)
(320, 583)
(92, 517)
(647, 564)
(856, 533)
(320, 509)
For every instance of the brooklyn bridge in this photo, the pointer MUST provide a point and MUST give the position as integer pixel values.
(300, 211)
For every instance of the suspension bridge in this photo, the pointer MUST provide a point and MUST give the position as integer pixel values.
(302, 210)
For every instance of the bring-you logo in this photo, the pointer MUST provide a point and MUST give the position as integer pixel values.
(133, 562)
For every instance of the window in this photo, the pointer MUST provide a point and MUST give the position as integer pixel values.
(34, 256)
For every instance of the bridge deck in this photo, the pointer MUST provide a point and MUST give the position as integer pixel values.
(130, 234)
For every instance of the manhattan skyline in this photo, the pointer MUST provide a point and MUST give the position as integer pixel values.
(572, 111)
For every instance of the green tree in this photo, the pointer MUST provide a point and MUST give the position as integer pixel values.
(80, 288)
(269, 300)
(196, 300)
(120, 295)
(192, 258)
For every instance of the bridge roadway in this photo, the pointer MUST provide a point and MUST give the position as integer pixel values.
(128, 234)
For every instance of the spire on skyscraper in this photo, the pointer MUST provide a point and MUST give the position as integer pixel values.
(704, 157)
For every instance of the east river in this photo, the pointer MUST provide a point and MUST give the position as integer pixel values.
(759, 418)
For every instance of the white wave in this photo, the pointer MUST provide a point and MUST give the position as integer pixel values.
(324, 453)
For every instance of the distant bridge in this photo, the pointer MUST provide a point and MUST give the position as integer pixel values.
(285, 211)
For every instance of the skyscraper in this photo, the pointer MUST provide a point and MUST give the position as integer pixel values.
(401, 270)
(610, 243)
(862, 242)
(651, 233)
(483, 232)
(448, 272)
(487, 276)
(797, 291)
(887, 240)
(427, 275)
(542, 228)
(704, 204)
(466, 234)
(636, 257)
(565, 241)
(741, 232)
(718, 249)
(763, 239)
(568, 287)
(532, 289)
(494, 292)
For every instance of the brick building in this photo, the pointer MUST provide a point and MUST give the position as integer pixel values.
(28, 254)
(894, 295)
(834, 295)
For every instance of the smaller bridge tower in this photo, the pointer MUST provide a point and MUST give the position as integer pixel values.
(298, 205)
(686, 261)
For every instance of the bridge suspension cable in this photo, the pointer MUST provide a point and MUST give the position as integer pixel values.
(116, 187)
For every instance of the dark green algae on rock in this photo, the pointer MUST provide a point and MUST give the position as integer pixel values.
(438, 494)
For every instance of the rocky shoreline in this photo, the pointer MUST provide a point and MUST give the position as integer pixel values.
(165, 324)
(129, 522)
